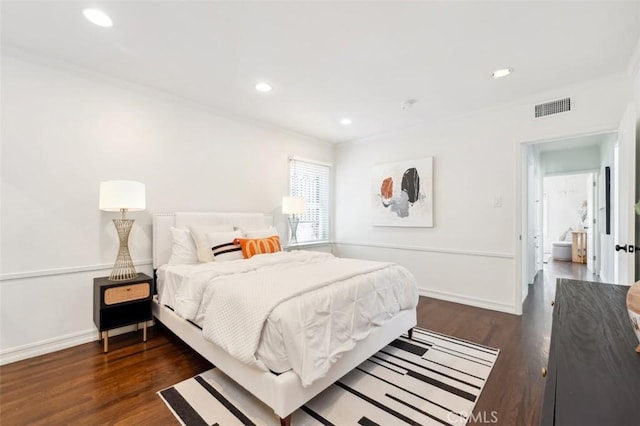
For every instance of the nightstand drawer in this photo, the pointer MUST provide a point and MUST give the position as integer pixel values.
(127, 293)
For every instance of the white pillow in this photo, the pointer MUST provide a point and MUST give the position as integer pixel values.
(202, 244)
(262, 233)
(222, 247)
(183, 249)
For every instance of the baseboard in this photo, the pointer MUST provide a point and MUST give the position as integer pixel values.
(47, 346)
(55, 344)
(467, 300)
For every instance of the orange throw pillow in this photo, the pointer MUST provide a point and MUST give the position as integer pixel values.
(253, 246)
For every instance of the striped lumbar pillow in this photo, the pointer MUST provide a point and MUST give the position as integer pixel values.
(227, 251)
(253, 246)
(223, 247)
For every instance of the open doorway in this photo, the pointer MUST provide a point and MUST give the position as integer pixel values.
(611, 155)
(568, 227)
(572, 168)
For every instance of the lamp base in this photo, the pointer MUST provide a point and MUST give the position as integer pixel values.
(293, 226)
(123, 269)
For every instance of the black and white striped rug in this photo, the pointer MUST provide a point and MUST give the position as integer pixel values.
(431, 379)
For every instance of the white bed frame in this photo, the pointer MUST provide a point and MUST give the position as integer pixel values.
(284, 392)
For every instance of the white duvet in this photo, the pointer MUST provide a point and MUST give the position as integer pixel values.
(314, 305)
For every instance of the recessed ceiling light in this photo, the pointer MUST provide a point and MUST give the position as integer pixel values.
(263, 87)
(98, 17)
(346, 121)
(502, 73)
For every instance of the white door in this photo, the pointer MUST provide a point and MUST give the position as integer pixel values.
(624, 190)
(534, 240)
(538, 193)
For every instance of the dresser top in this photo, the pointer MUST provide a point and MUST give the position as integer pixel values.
(597, 370)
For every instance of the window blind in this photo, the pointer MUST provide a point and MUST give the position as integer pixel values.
(311, 181)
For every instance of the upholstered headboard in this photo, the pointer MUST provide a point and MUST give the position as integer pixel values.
(162, 240)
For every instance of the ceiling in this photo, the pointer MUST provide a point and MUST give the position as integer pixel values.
(330, 60)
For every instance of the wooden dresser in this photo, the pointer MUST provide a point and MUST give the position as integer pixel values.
(594, 371)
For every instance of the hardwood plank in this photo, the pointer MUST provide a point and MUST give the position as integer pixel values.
(515, 388)
(83, 385)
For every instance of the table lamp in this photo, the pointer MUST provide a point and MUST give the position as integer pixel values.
(293, 206)
(122, 196)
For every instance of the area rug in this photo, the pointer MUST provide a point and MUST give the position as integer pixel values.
(430, 379)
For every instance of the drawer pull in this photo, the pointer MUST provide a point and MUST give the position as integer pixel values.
(114, 295)
(544, 372)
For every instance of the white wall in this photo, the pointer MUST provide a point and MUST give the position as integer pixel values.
(471, 254)
(571, 160)
(63, 131)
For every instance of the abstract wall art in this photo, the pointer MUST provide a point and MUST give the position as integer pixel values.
(402, 193)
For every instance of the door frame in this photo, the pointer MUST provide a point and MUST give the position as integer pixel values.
(624, 228)
(522, 217)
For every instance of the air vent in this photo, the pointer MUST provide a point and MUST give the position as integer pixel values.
(555, 107)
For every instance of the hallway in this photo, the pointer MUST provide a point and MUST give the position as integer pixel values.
(554, 269)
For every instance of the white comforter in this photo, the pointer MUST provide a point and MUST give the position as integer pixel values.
(324, 305)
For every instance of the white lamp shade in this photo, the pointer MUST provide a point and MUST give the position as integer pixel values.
(116, 195)
(293, 205)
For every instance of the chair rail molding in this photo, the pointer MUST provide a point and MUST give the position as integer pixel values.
(427, 249)
(64, 271)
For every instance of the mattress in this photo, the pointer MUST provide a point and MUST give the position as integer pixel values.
(170, 279)
(349, 308)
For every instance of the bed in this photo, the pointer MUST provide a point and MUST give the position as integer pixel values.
(283, 386)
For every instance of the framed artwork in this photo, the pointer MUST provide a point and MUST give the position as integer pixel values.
(402, 193)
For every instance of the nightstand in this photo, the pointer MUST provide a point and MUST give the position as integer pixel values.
(120, 303)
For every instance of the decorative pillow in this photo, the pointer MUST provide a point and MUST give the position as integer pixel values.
(183, 250)
(199, 234)
(253, 246)
(223, 247)
(262, 233)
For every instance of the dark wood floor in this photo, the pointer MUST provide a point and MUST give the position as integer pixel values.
(81, 385)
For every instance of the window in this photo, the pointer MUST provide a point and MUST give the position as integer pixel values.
(310, 180)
